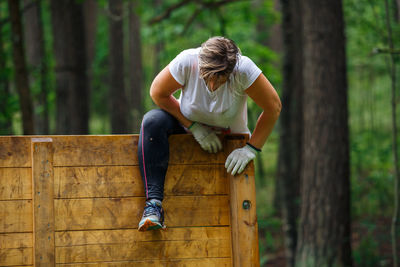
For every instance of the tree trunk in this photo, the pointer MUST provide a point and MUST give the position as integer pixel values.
(275, 41)
(69, 48)
(135, 66)
(324, 230)
(396, 212)
(291, 120)
(21, 74)
(119, 103)
(159, 46)
(90, 18)
(5, 114)
(36, 61)
(396, 10)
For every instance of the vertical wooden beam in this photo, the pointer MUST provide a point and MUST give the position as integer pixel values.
(243, 211)
(43, 202)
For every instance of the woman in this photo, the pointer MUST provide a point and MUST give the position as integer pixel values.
(215, 81)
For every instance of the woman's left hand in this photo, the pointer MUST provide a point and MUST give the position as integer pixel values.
(239, 158)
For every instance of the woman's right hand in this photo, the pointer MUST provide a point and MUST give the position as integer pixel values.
(206, 137)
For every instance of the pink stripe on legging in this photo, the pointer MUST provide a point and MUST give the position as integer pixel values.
(144, 165)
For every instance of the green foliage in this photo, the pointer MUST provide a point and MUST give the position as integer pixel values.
(366, 254)
(372, 170)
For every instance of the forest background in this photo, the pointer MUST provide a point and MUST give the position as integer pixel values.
(85, 67)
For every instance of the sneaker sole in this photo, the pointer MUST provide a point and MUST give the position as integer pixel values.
(149, 225)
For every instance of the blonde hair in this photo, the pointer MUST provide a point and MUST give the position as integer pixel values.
(218, 57)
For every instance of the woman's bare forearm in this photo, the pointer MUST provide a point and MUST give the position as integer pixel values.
(161, 91)
(265, 125)
(171, 105)
(265, 96)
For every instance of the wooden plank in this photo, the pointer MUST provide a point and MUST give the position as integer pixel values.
(122, 150)
(105, 181)
(243, 214)
(15, 183)
(144, 250)
(43, 201)
(185, 150)
(95, 150)
(196, 180)
(125, 181)
(95, 237)
(111, 245)
(15, 216)
(115, 213)
(102, 150)
(16, 240)
(15, 151)
(205, 262)
(15, 249)
(15, 256)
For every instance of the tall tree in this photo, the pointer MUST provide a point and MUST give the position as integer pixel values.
(5, 116)
(291, 119)
(21, 73)
(90, 18)
(395, 232)
(135, 66)
(324, 227)
(396, 9)
(69, 49)
(33, 30)
(119, 102)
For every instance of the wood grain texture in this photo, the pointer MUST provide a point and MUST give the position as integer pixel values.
(87, 237)
(129, 244)
(16, 240)
(204, 262)
(95, 150)
(99, 198)
(115, 213)
(16, 256)
(125, 181)
(16, 216)
(185, 150)
(122, 150)
(15, 151)
(144, 250)
(104, 181)
(115, 245)
(15, 183)
(243, 217)
(43, 202)
(16, 249)
(196, 180)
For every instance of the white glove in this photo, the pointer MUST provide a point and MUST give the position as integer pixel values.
(239, 158)
(206, 137)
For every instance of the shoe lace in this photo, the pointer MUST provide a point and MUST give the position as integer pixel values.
(152, 209)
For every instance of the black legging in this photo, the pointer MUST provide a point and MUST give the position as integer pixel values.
(153, 150)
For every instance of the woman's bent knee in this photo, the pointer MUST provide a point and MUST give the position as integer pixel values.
(157, 119)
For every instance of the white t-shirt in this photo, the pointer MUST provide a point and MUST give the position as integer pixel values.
(225, 107)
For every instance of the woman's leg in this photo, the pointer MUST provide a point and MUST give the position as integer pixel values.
(153, 150)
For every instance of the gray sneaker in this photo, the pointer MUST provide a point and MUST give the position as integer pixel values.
(153, 216)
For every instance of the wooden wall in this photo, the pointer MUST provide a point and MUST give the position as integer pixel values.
(77, 201)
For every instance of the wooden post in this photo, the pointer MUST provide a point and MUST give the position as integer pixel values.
(243, 211)
(43, 202)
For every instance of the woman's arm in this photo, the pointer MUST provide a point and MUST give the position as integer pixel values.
(265, 96)
(161, 90)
